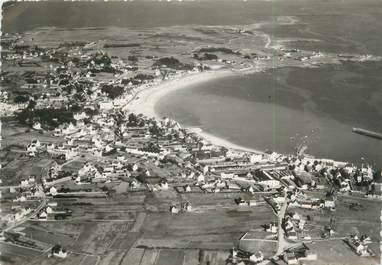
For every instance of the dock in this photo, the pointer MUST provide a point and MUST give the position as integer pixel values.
(368, 133)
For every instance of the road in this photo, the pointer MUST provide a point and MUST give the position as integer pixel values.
(282, 243)
(34, 212)
(9, 187)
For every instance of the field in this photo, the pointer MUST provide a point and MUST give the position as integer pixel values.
(363, 219)
(337, 252)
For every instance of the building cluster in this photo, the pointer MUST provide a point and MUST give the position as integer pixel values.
(97, 142)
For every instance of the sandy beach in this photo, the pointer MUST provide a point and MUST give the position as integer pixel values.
(145, 100)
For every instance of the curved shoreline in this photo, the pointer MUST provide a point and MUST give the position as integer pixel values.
(144, 102)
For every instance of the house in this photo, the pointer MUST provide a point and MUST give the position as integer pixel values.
(31, 149)
(70, 154)
(232, 186)
(271, 228)
(53, 191)
(43, 215)
(135, 167)
(359, 246)
(52, 204)
(48, 210)
(215, 190)
(290, 258)
(309, 256)
(224, 175)
(134, 184)
(108, 148)
(163, 185)
(20, 199)
(106, 105)
(117, 164)
(279, 199)
(255, 158)
(257, 257)
(329, 203)
(97, 152)
(50, 147)
(174, 209)
(24, 183)
(87, 167)
(205, 169)
(308, 204)
(121, 158)
(58, 251)
(36, 126)
(378, 181)
(361, 249)
(69, 129)
(187, 207)
(80, 116)
(200, 178)
(345, 186)
(77, 180)
(36, 142)
(187, 188)
(296, 217)
(292, 235)
(99, 178)
(266, 180)
(191, 175)
(288, 225)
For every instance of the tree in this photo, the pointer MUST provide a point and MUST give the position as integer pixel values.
(132, 58)
(133, 119)
(31, 104)
(21, 99)
(112, 91)
(156, 130)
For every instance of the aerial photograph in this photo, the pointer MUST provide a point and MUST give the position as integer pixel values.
(191, 132)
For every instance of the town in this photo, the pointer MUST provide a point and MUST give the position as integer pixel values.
(86, 181)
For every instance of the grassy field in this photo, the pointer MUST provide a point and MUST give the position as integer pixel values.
(364, 219)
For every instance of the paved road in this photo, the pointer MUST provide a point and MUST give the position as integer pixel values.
(8, 187)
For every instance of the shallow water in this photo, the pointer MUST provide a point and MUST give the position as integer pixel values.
(280, 109)
(329, 26)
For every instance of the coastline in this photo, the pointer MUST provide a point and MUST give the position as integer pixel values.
(144, 102)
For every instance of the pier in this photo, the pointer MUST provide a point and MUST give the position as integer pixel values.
(368, 133)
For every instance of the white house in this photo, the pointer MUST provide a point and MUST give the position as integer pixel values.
(36, 126)
(59, 252)
(257, 257)
(106, 105)
(200, 178)
(174, 209)
(255, 158)
(43, 216)
(53, 191)
(80, 116)
(164, 185)
(187, 188)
